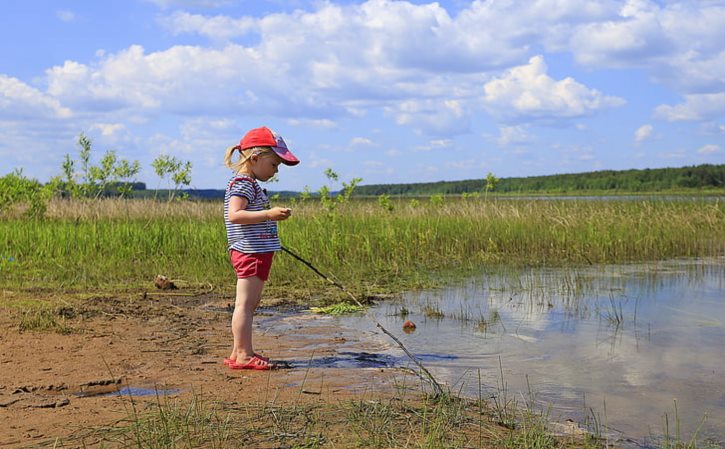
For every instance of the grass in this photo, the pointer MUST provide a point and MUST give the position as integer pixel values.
(340, 308)
(43, 319)
(117, 245)
(408, 420)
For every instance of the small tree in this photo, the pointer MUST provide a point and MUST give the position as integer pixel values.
(97, 178)
(385, 203)
(343, 197)
(177, 171)
(491, 182)
(16, 189)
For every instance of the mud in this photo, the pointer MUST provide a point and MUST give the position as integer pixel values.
(55, 385)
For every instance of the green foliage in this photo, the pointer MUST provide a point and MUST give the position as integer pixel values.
(330, 202)
(341, 308)
(385, 203)
(174, 170)
(17, 190)
(112, 176)
(491, 182)
(306, 194)
(648, 180)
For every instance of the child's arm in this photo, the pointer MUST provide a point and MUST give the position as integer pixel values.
(238, 215)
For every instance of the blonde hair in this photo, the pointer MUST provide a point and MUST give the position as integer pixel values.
(242, 163)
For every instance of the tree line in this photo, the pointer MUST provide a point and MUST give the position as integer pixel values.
(706, 176)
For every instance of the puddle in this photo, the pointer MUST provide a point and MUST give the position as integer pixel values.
(345, 359)
(137, 392)
(621, 345)
(115, 388)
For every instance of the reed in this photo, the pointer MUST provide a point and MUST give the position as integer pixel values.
(122, 244)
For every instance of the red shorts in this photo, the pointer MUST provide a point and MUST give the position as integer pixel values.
(248, 265)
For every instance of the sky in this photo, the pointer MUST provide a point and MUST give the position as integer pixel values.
(384, 90)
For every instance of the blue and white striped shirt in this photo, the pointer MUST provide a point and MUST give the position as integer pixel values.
(250, 238)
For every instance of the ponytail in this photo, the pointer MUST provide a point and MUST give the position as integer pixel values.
(228, 158)
(244, 155)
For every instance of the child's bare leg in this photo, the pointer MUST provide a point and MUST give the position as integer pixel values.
(249, 293)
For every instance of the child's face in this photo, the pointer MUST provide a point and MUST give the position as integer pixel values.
(265, 166)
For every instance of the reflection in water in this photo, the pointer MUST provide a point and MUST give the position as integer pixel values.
(622, 344)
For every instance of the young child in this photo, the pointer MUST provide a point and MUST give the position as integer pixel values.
(252, 233)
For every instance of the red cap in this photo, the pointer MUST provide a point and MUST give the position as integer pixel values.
(265, 137)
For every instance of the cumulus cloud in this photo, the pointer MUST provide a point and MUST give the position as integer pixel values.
(20, 101)
(643, 133)
(418, 63)
(527, 92)
(108, 129)
(678, 42)
(708, 149)
(432, 117)
(695, 107)
(422, 66)
(509, 135)
(215, 28)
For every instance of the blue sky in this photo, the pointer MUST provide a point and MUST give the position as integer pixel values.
(387, 91)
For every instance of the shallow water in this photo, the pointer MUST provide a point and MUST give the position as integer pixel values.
(615, 348)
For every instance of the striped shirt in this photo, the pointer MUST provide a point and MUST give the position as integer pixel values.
(250, 238)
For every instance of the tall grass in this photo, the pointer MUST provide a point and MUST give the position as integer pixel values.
(116, 244)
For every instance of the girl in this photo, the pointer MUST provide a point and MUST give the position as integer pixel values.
(252, 233)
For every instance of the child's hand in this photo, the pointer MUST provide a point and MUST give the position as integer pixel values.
(279, 213)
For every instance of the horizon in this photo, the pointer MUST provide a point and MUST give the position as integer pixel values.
(393, 92)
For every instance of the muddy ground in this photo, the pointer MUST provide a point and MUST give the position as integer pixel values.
(55, 386)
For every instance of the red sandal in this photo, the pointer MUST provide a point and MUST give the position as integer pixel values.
(255, 363)
(230, 362)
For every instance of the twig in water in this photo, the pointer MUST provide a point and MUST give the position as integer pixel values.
(436, 386)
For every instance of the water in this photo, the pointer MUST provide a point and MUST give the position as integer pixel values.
(616, 347)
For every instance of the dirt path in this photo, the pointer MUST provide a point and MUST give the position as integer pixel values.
(55, 385)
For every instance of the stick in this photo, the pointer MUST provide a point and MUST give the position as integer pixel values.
(436, 386)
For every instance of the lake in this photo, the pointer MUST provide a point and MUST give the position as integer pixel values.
(614, 348)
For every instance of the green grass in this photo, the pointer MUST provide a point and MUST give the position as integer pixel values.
(408, 420)
(44, 319)
(121, 245)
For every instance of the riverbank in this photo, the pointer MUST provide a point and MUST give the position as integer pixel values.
(110, 371)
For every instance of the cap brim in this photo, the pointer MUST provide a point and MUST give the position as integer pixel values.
(286, 155)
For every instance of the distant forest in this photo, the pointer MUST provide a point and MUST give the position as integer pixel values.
(705, 176)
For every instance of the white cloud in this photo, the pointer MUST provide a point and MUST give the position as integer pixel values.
(678, 43)
(513, 135)
(108, 129)
(695, 107)
(528, 93)
(709, 149)
(435, 144)
(191, 3)
(643, 133)
(316, 123)
(432, 117)
(65, 16)
(18, 101)
(361, 141)
(215, 28)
